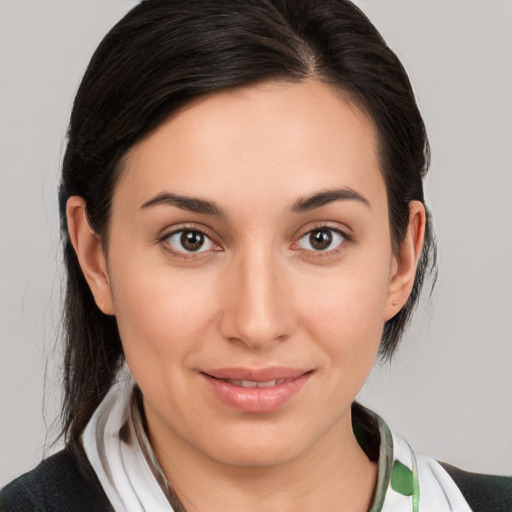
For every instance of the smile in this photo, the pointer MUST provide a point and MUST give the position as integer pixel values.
(256, 391)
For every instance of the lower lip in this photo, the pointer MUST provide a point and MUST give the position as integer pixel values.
(256, 400)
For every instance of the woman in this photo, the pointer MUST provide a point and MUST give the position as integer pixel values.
(245, 229)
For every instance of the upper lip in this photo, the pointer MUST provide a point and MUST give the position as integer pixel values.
(266, 374)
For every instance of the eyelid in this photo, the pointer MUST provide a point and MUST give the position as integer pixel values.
(172, 230)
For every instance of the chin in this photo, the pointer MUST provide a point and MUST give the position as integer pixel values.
(259, 447)
(257, 457)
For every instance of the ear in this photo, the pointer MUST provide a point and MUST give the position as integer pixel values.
(406, 260)
(89, 251)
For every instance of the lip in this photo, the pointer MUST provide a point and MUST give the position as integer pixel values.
(226, 384)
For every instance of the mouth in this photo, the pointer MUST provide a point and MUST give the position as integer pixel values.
(256, 391)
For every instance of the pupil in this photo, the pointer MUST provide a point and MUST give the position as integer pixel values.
(320, 239)
(192, 240)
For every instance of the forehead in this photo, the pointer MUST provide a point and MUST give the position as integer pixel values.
(279, 140)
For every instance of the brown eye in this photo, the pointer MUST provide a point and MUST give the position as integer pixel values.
(322, 240)
(190, 240)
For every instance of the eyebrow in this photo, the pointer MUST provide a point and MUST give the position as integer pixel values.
(326, 197)
(305, 204)
(192, 204)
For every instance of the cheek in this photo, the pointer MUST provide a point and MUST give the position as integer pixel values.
(346, 314)
(162, 316)
(349, 302)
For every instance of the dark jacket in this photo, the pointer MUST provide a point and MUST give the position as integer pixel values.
(55, 485)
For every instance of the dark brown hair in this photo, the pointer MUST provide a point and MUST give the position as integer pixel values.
(163, 54)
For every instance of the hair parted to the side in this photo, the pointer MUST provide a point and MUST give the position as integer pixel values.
(163, 54)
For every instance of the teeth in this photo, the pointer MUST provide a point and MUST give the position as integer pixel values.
(249, 384)
(255, 384)
(267, 384)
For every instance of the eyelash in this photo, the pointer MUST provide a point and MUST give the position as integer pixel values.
(164, 241)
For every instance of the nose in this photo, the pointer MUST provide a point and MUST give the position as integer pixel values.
(257, 302)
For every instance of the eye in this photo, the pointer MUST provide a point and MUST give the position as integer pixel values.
(321, 240)
(189, 241)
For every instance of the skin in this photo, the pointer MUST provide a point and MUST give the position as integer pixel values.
(259, 294)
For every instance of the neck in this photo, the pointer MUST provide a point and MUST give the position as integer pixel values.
(333, 474)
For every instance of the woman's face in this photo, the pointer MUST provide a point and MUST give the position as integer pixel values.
(251, 271)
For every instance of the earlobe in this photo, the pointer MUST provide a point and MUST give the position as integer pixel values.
(406, 260)
(90, 254)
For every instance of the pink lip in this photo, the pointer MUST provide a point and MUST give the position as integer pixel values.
(256, 399)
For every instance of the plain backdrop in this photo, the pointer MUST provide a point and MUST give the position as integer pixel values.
(449, 389)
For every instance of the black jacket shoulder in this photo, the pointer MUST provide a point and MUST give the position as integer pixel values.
(55, 485)
(484, 493)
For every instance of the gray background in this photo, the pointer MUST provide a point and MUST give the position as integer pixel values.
(449, 389)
